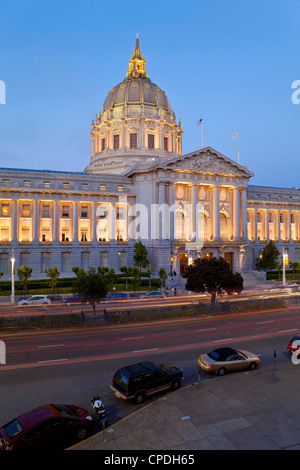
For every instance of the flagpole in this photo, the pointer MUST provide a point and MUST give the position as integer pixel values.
(202, 133)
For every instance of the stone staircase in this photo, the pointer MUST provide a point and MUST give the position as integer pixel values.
(254, 278)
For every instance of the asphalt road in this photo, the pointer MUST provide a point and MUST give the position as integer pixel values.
(69, 367)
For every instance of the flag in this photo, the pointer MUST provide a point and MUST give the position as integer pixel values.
(199, 122)
(236, 135)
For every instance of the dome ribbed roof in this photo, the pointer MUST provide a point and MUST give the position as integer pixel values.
(137, 91)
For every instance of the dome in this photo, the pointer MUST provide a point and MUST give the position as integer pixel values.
(137, 91)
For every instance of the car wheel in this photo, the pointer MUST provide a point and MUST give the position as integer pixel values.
(253, 366)
(45, 303)
(221, 371)
(176, 384)
(82, 433)
(139, 398)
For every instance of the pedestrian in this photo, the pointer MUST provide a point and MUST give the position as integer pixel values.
(199, 373)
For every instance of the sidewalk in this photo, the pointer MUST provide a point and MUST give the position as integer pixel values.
(257, 410)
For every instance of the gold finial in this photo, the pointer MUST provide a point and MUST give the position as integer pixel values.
(137, 34)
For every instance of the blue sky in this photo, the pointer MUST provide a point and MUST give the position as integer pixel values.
(231, 63)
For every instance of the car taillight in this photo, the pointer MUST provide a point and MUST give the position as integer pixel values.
(209, 364)
(127, 393)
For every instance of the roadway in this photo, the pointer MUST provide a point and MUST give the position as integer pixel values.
(69, 366)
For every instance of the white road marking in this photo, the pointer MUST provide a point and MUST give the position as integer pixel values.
(52, 346)
(133, 337)
(146, 350)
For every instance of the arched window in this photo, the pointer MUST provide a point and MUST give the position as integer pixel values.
(202, 226)
(223, 226)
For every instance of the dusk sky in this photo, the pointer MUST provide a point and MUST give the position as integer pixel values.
(231, 63)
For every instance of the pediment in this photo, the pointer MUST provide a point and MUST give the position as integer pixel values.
(209, 161)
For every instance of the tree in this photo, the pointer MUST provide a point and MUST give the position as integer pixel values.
(140, 256)
(54, 274)
(279, 269)
(163, 276)
(109, 276)
(213, 276)
(24, 274)
(149, 273)
(269, 256)
(124, 270)
(134, 273)
(91, 286)
(294, 267)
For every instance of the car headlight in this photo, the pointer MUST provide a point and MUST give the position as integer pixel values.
(90, 418)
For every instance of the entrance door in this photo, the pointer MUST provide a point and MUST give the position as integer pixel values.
(228, 257)
(183, 263)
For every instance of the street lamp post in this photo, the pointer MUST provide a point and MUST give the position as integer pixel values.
(12, 279)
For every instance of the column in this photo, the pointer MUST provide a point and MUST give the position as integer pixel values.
(75, 223)
(162, 214)
(36, 222)
(194, 215)
(56, 222)
(267, 232)
(94, 232)
(15, 223)
(112, 222)
(289, 216)
(255, 224)
(216, 213)
(278, 225)
(244, 214)
(236, 214)
(171, 210)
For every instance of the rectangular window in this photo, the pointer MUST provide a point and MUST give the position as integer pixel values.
(102, 187)
(4, 263)
(85, 186)
(116, 141)
(133, 141)
(85, 261)
(120, 188)
(66, 262)
(65, 211)
(66, 184)
(65, 237)
(46, 211)
(26, 210)
(25, 259)
(26, 183)
(84, 212)
(46, 184)
(150, 141)
(104, 259)
(166, 148)
(25, 234)
(5, 210)
(45, 234)
(4, 234)
(102, 145)
(45, 264)
(83, 234)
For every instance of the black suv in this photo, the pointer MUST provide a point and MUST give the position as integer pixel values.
(137, 381)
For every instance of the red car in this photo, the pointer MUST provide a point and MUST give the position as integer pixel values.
(48, 426)
(294, 345)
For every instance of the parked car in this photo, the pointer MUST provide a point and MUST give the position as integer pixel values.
(48, 426)
(73, 298)
(55, 297)
(153, 294)
(35, 300)
(137, 381)
(294, 345)
(224, 360)
(117, 296)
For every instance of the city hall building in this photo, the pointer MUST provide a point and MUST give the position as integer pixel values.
(136, 174)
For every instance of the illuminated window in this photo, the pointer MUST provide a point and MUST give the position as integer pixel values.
(66, 184)
(46, 184)
(102, 187)
(25, 234)
(133, 141)
(120, 188)
(65, 237)
(45, 234)
(84, 212)
(26, 210)
(116, 141)
(5, 210)
(46, 211)
(150, 141)
(84, 234)
(65, 211)
(4, 234)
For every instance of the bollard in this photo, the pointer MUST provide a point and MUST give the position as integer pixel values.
(274, 355)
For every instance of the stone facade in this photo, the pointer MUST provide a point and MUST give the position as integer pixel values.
(139, 186)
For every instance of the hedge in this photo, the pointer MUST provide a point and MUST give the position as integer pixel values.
(252, 305)
(40, 321)
(125, 316)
